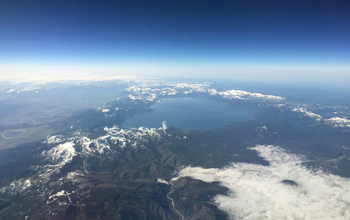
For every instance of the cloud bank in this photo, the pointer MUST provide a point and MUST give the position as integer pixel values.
(283, 190)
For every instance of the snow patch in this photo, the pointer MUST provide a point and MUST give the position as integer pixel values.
(339, 122)
(307, 113)
(54, 139)
(61, 154)
(240, 94)
(61, 193)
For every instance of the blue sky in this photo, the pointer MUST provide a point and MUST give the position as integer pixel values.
(177, 37)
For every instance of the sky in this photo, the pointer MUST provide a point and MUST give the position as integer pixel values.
(249, 40)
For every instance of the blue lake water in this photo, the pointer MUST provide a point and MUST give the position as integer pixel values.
(190, 113)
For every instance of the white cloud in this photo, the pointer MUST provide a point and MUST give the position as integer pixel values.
(258, 192)
(63, 78)
(162, 181)
(24, 89)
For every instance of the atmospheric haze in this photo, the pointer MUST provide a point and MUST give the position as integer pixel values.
(278, 41)
(74, 73)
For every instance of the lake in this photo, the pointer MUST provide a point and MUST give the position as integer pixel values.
(190, 113)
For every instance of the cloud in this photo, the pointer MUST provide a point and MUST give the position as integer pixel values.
(283, 190)
(42, 75)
